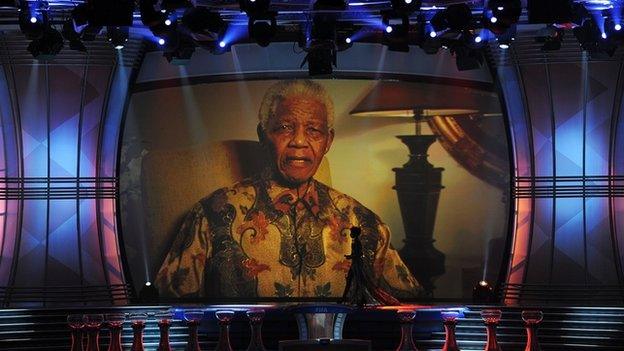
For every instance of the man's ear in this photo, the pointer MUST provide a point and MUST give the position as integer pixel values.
(261, 134)
(330, 139)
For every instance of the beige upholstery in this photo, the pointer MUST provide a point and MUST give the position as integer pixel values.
(174, 180)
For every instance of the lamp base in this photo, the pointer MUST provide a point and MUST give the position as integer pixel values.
(418, 186)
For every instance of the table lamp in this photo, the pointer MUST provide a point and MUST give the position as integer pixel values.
(418, 183)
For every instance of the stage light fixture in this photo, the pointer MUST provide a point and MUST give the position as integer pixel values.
(591, 40)
(254, 8)
(148, 293)
(32, 29)
(262, 30)
(48, 45)
(456, 18)
(483, 293)
(117, 36)
(551, 37)
(182, 52)
(506, 13)
(80, 15)
(161, 41)
(70, 34)
(321, 57)
(404, 7)
(398, 38)
(149, 15)
(466, 58)
(116, 13)
(202, 21)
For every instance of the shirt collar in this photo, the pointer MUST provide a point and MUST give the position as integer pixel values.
(284, 199)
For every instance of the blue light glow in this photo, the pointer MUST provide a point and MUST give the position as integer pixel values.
(233, 34)
(388, 29)
(33, 19)
(618, 27)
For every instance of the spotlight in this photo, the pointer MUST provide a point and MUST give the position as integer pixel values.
(483, 293)
(433, 34)
(405, 7)
(255, 7)
(398, 38)
(478, 39)
(505, 13)
(456, 18)
(32, 30)
(221, 44)
(182, 52)
(551, 36)
(388, 29)
(592, 40)
(47, 46)
(262, 30)
(321, 58)
(200, 20)
(167, 22)
(348, 40)
(503, 46)
(116, 13)
(617, 27)
(149, 16)
(70, 34)
(148, 293)
(466, 58)
(117, 36)
(161, 41)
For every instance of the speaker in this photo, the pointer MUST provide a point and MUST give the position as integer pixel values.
(325, 345)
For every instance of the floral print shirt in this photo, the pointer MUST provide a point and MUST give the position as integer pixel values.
(258, 239)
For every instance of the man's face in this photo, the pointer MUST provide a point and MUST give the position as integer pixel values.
(299, 137)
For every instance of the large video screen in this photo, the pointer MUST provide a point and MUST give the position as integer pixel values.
(248, 189)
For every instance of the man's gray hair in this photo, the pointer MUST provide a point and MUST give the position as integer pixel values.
(289, 88)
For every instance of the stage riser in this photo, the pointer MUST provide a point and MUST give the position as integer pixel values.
(562, 329)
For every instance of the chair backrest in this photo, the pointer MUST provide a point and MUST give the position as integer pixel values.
(174, 180)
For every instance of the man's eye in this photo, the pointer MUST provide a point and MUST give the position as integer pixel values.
(314, 131)
(284, 127)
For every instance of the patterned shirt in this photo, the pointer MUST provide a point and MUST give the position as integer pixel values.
(258, 239)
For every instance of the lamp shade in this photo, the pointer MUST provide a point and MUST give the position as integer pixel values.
(409, 99)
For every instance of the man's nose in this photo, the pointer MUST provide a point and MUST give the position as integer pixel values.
(299, 138)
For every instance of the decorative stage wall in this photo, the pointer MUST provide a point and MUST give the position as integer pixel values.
(567, 132)
(58, 155)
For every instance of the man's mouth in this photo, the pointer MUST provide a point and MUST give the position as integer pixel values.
(298, 161)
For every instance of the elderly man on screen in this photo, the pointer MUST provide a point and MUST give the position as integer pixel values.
(282, 233)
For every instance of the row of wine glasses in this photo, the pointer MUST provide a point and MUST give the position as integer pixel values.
(491, 318)
(91, 324)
